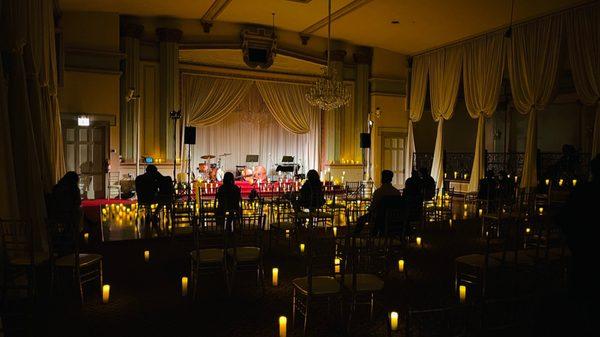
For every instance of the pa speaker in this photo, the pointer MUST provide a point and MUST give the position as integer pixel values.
(189, 136)
(365, 140)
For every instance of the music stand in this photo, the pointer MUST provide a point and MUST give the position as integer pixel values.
(251, 158)
(287, 159)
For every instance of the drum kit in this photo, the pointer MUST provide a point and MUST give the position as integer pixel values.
(211, 171)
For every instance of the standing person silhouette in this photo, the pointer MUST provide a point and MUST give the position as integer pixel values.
(229, 198)
(146, 188)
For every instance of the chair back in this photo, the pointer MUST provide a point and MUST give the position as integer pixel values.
(319, 254)
(506, 317)
(17, 240)
(449, 321)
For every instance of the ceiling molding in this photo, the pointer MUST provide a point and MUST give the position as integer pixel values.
(212, 13)
(354, 5)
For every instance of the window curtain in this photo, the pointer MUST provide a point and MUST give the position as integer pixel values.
(533, 54)
(288, 105)
(209, 100)
(483, 66)
(583, 38)
(444, 79)
(418, 91)
(28, 192)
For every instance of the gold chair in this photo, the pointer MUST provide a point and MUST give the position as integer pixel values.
(65, 255)
(319, 282)
(246, 249)
(210, 245)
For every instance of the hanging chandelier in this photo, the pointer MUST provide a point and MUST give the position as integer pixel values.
(328, 92)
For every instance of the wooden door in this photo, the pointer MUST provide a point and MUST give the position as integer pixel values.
(86, 153)
(392, 158)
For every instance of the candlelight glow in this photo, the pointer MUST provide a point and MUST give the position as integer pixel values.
(418, 240)
(105, 293)
(462, 293)
(394, 321)
(282, 326)
(146, 255)
(401, 266)
(275, 277)
(184, 286)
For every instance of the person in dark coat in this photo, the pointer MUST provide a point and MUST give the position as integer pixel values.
(311, 193)
(386, 196)
(427, 184)
(413, 195)
(229, 198)
(578, 219)
(64, 205)
(146, 188)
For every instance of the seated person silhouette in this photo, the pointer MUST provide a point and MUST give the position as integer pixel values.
(413, 195)
(64, 205)
(427, 184)
(381, 200)
(229, 200)
(311, 194)
(578, 219)
(146, 188)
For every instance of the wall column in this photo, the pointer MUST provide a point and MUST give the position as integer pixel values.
(130, 45)
(361, 98)
(169, 89)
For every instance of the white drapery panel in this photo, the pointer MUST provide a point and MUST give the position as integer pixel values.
(418, 92)
(209, 100)
(444, 79)
(533, 55)
(28, 176)
(483, 66)
(269, 140)
(288, 105)
(583, 36)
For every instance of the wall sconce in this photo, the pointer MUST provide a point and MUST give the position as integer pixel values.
(83, 121)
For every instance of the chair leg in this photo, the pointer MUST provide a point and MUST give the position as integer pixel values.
(293, 307)
(372, 306)
(306, 311)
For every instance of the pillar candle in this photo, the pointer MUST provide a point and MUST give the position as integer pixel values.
(334, 231)
(184, 286)
(419, 241)
(462, 293)
(86, 237)
(336, 262)
(547, 181)
(146, 255)
(302, 248)
(275, 277)
(394, 321)
(105, 293)
(574, 182)
(455, 174)
(282, 326)
(401, 266)
(480, 212)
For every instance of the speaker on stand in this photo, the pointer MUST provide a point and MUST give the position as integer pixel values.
(365, 144)
(189, 138)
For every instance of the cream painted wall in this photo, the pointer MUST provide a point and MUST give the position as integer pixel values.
(388, 64)
(394, 118)
(88, 89)
(91, 30)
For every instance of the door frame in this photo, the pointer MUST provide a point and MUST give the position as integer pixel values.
(70, 120)
(394, 132)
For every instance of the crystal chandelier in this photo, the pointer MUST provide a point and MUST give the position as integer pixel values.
(328, 92)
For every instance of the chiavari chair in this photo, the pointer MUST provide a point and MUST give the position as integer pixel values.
(246, 248)
(335, 203)
(510, 316)
(359, 277)
(285, 222)
(65, 254)
(211, 240)
(183, 216)
(443, 321)
(320, 283)
(20, 259)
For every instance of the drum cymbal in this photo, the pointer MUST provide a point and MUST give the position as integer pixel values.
(207, 156)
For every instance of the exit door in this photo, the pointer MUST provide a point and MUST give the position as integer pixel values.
(85, 153)
(392, 157)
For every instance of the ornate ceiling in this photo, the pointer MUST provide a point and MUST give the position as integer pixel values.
(421, 24)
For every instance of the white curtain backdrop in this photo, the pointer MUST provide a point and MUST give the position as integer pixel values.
(583, 37)
(444, 79)
(418, 91)
(483, 66)
(533, 56)
(252, 129)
